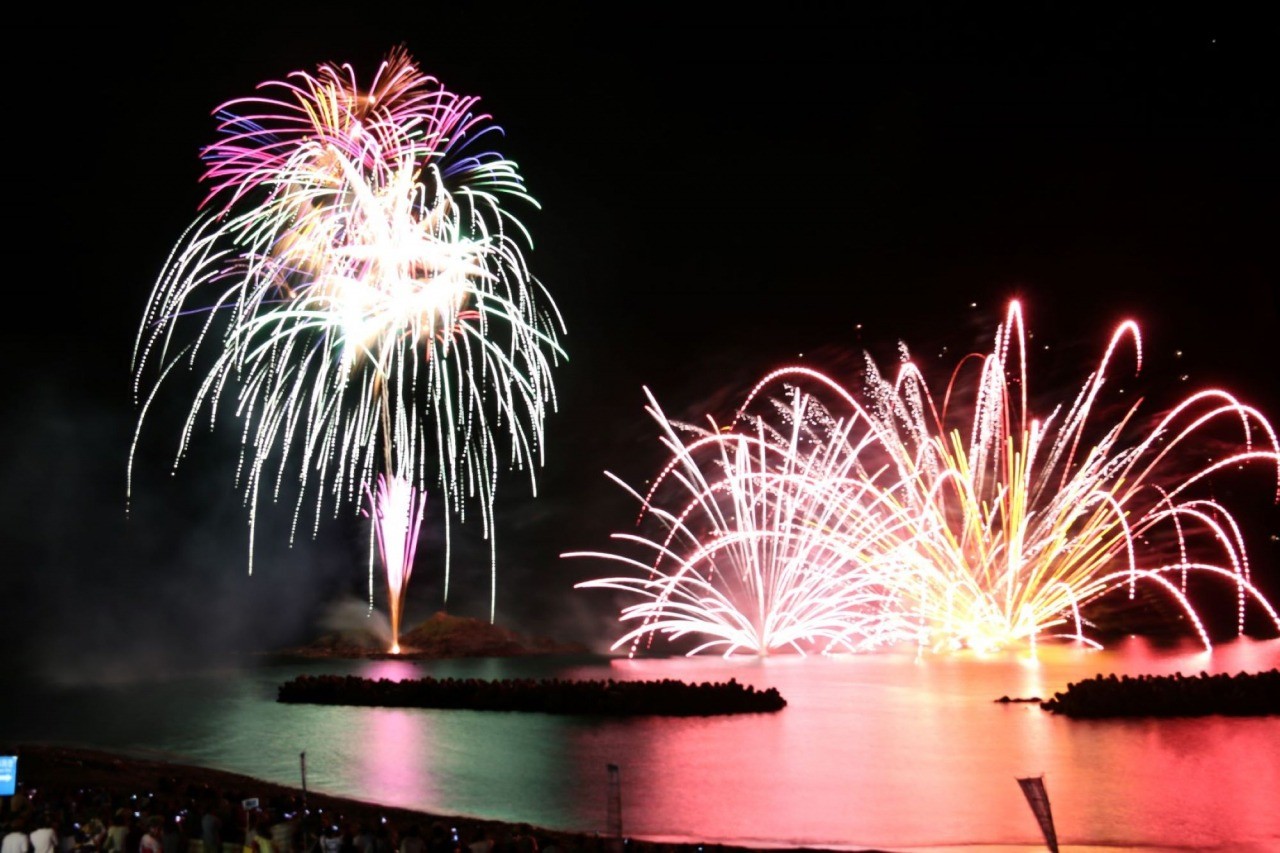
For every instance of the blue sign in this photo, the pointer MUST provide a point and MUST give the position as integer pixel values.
(8, 775)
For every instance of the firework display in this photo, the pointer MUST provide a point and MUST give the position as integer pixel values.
(756, 553)
(356, 281)
(823, 520)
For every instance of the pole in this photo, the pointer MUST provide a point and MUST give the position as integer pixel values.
(302, 764)
(613, 817)
(1038, 798)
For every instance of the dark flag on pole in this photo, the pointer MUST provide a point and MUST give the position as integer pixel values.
(613, 817)
(1038, 799)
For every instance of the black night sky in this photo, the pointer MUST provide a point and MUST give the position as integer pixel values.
(718, 196)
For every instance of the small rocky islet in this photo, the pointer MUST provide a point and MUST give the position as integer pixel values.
(1243, 694)
(592, 697)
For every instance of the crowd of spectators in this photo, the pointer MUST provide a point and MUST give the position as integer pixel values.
(207, 820)
(73, 800)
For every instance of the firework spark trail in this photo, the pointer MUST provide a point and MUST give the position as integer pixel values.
(764, 555)
(362, 271)
(981, 535)
(1035, 515)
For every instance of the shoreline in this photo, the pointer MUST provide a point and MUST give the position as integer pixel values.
(84, 779)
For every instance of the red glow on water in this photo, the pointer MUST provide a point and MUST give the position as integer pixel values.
(890, 750)
(898, 752)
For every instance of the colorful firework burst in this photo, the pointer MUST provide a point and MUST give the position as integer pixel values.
(760, 551)
(364, 290)
(992, 529)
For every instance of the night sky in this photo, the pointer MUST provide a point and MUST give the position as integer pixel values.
(718, 197)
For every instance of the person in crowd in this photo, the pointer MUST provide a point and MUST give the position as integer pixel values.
(211, 824)
(411, 840)
(137, 828)
(44, 837)
(284, 830)
(437, 838)
(16, 839)
(260, 839)
(95, 835)
(363, 840)
(331, 839)
(523, 840)
(70, 835)
(480, 841)
(118, 832)
(309, 832)
(152, 840)
(174, 834)
(382, 840)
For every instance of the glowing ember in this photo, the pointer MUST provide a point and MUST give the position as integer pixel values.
(903, 519)
(366, 292)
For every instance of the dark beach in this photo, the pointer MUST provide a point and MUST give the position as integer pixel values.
(79, 784)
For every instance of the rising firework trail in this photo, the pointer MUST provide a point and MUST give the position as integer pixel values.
(357, 282)
(976, 523)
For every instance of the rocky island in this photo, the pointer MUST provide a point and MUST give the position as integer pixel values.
(599, 697)
(442, 636)
(1177, 695)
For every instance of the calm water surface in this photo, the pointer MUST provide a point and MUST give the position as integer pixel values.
(884, 750)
